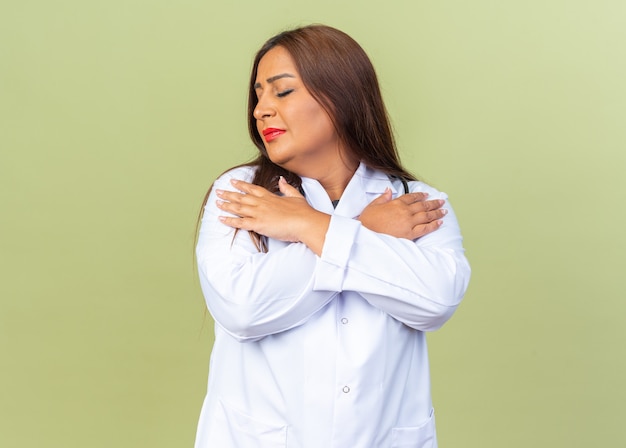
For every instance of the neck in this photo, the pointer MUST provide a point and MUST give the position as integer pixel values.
(333, 172)
(335, 180)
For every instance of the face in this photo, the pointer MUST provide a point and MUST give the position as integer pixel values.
(297, 132)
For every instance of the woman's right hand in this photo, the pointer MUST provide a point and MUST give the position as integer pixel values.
(287, 218)
(409, 216)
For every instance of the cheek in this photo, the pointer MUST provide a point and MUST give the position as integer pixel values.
(322, 124)
(316, 118)
(259, 130)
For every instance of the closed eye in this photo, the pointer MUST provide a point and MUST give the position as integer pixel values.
(284, 93)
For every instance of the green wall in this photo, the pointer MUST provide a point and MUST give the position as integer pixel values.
(116, 116)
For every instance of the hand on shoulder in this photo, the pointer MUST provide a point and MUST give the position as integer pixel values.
(409, 216)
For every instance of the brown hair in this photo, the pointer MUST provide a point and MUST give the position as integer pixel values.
(339, 75)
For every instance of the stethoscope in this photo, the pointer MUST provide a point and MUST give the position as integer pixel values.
(405, 184)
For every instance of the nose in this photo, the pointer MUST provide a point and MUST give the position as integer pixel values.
(263, 109)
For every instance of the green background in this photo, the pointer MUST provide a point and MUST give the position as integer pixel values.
(115, 117)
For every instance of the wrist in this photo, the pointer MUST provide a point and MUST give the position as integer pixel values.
(314, 229)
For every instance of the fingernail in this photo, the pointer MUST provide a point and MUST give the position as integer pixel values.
(234, 181)
(439, 223)
(219, 203)
(444, 211)
(219, 192)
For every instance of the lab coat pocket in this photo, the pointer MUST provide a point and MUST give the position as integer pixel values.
(240, 430)
(422, 436)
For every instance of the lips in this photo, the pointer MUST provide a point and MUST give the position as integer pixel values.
(272, 133)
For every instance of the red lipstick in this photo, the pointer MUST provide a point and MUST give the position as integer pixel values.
(272, 133)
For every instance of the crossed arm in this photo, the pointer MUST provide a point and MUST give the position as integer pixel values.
(290, 218)
(398, 256)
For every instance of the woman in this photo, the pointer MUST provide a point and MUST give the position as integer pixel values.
(323, 262)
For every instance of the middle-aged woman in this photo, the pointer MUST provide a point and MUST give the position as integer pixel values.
(323, 262)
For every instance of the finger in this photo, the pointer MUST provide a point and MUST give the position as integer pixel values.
(411, 198)
(234, 208)
(236, 223)
(233, 196)
(288, 190)
(383, 198)
(428, 217)
(248, 188)
(424, 229)
(426, 206)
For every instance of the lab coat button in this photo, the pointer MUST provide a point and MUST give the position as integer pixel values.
(344, 321)
(346, 389)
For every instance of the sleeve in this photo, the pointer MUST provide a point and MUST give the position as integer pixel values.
(420, 283)
(251, 294)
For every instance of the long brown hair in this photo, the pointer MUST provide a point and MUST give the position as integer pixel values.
(339, 75)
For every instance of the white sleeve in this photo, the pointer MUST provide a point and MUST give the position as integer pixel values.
(252, 294)
(419, 283)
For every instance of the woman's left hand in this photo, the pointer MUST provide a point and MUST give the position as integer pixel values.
(409, 216)
(286, 218)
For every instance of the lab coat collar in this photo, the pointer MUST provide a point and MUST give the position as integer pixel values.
(365, 180)
(373, 181)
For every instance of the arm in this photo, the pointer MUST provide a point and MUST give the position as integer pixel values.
(403, 277)
(419, 282)
(252, 294)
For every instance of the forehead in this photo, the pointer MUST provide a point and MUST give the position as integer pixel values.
(275, 62)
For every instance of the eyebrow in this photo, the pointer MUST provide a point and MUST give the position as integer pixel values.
(271, 79)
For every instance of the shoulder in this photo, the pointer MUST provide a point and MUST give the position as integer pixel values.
(242, 172)
(399, 185)
(422, 187)
(377, 181)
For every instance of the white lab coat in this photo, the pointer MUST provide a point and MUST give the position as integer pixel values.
(330, 351)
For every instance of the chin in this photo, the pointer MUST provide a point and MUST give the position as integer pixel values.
(280, 160)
